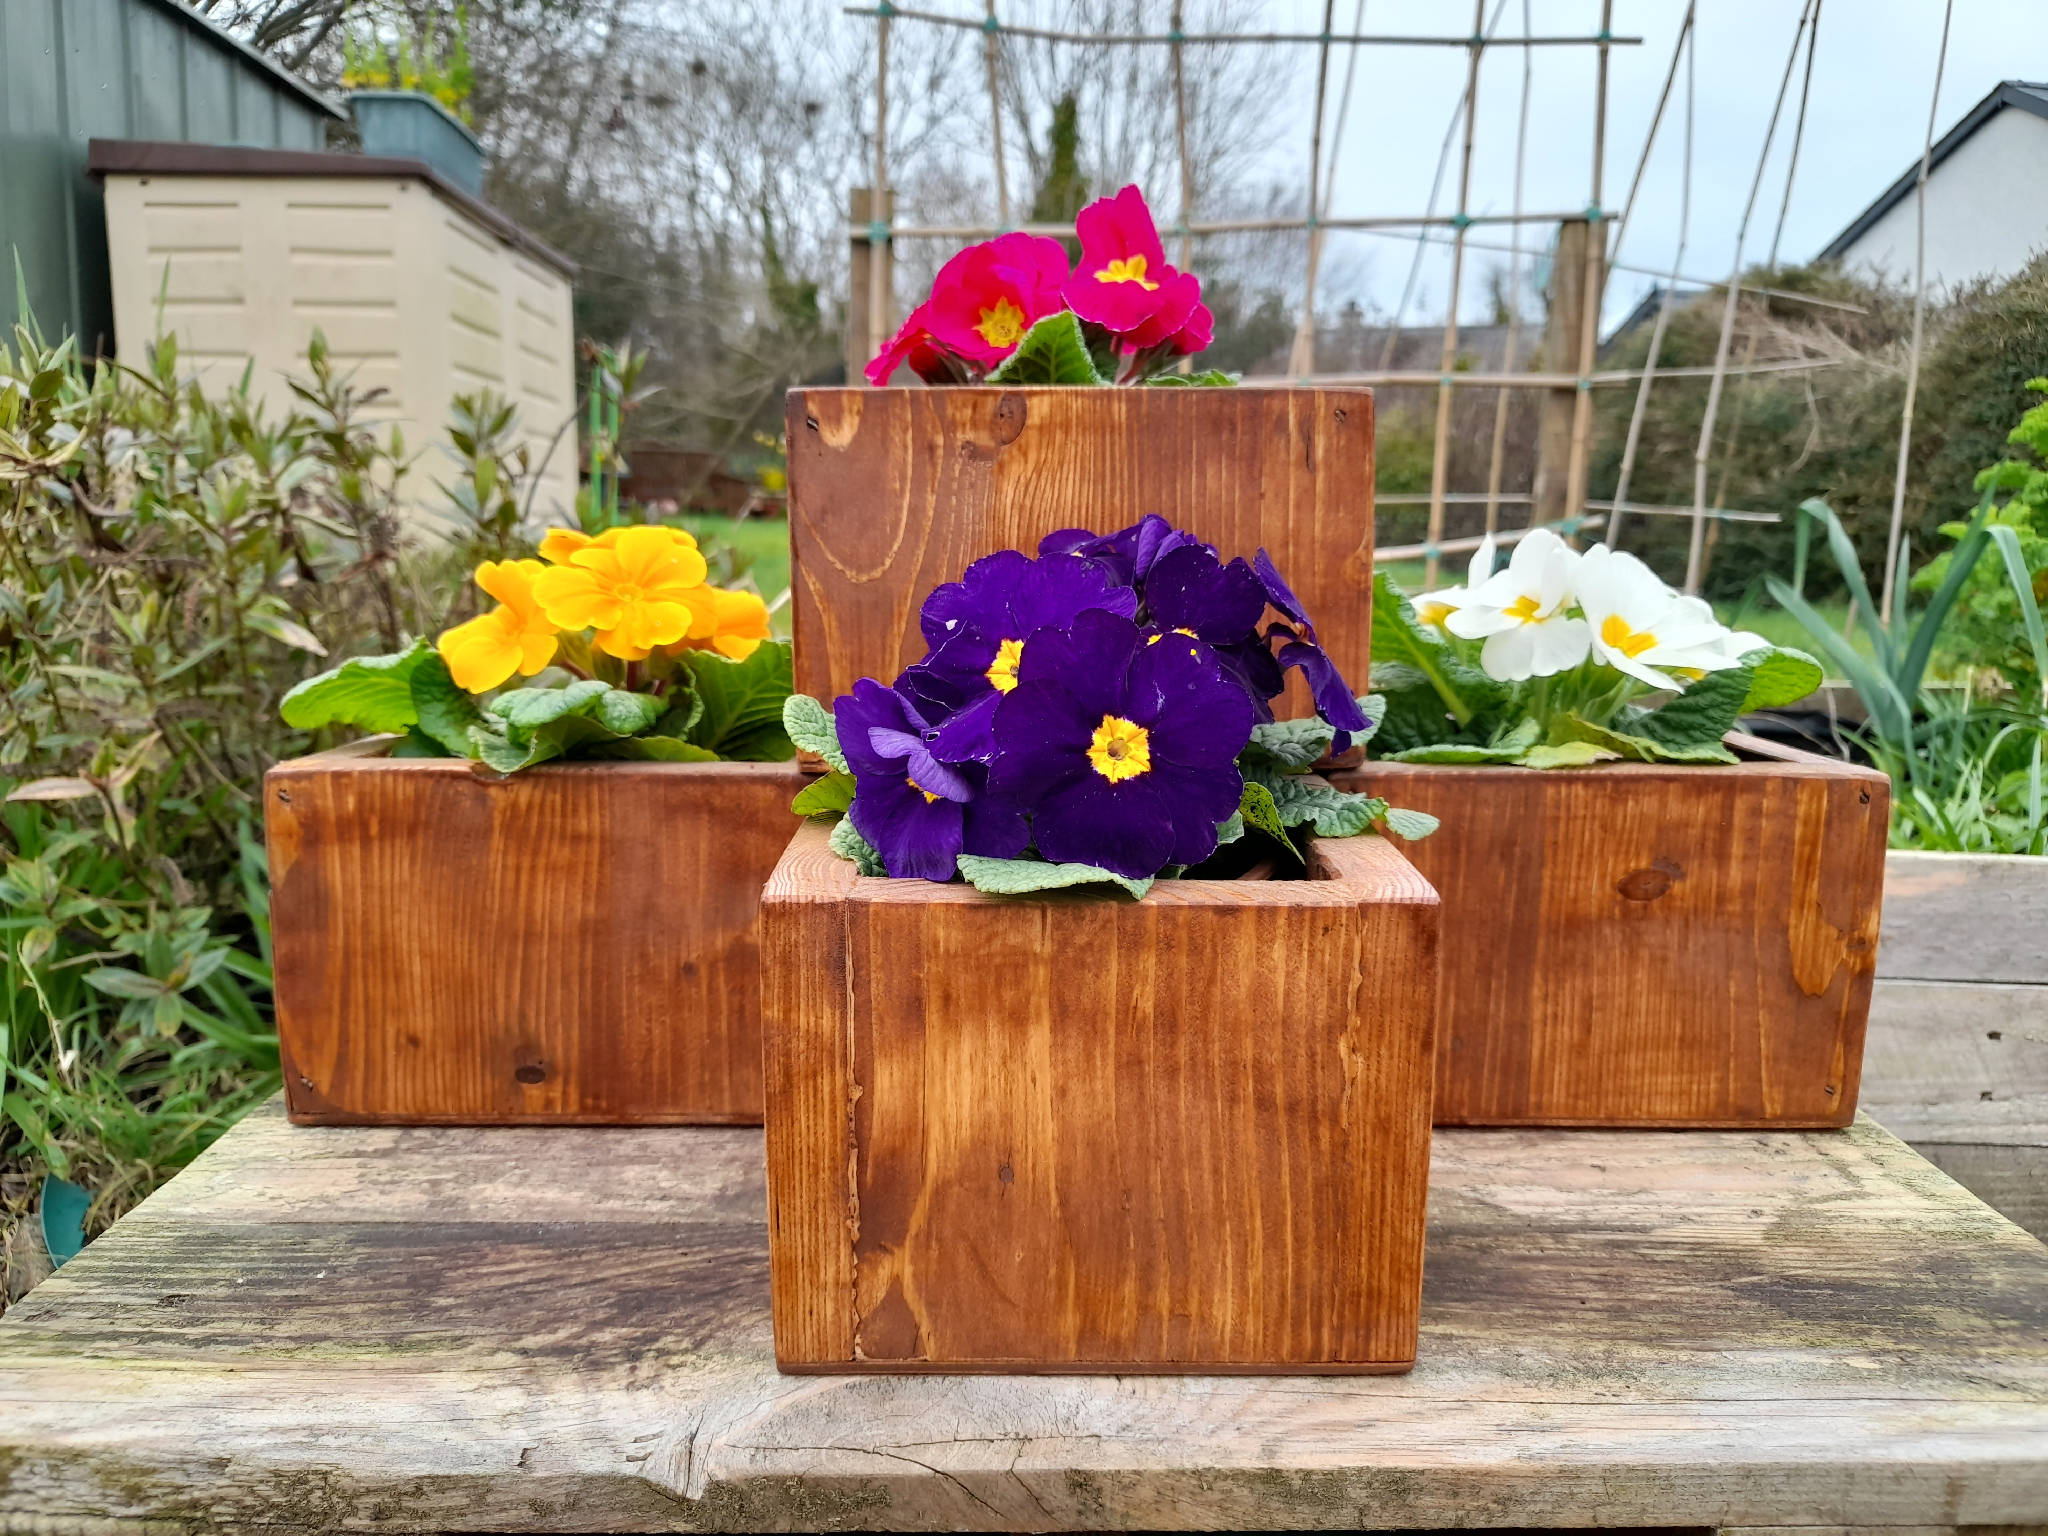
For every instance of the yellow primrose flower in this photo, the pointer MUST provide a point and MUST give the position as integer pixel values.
(633, 590)
(516, 636)
(732, 623)
(561, 544)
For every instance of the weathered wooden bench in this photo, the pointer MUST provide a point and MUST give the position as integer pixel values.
(1957, 1060)
(424, 1330)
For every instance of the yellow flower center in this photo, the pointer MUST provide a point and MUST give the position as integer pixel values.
(1122, 749)
(1522, 608)
(1436, 613)
(1126, 269)
(1155, 639)
(1002, 672)
(929, 797)
(1617, 636)
(628, 592)
(1001, 326)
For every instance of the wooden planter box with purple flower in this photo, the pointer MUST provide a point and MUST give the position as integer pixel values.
(574, 944)
(1651, 944)
(894, 491)
(1078, 1132)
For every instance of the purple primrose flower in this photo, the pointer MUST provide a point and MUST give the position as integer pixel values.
(919, 812)
(1334, 700)
(1129, 554)
(1191, 592)
(1122, 745)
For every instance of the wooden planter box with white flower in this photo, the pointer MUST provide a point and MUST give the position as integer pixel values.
(1077, 1132)
(1651, 944)
(576, 943)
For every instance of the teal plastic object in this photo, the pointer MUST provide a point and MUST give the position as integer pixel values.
(413, 126)
(64, 1207)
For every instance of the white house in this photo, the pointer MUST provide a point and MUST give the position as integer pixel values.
(1987, 198)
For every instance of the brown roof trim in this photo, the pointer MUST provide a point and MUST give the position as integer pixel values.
(154, 157)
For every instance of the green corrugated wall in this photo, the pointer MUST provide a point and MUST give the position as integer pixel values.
(76, 70)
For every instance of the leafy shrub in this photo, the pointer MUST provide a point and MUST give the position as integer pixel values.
(170, 565)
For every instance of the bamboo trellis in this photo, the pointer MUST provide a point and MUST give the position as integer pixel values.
(1581, 513)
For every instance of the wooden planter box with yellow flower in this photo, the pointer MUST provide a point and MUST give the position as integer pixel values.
(539, 908)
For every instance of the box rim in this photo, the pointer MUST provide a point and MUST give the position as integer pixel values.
(1768, 760)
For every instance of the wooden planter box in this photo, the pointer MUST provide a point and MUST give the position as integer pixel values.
(576, 944)
(1081, 1133)
(894, 491)
(1641, 944)
(1958, 1056)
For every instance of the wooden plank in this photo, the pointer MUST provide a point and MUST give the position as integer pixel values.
(1183, 1133)
(575, 944)
(339, 1329)
(892, 492)
(1964, 917)
(1947, 1062)
(1651, 944)
(2011, 1180)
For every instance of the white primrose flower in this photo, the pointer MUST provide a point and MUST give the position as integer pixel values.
(1435, 607)
(1521, 613)
(1640, 626)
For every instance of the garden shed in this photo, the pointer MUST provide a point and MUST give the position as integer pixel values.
(421, 289)
(73, 70)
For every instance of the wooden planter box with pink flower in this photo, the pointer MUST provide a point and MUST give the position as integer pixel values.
(1651, 919)
(538, 903)
(1099, 1032)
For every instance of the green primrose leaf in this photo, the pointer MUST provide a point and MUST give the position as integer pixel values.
(849, 844)
(1567, 754)
(1411, 825)
(811, 727)
(521, 711)
(417, 743)
(1331, 812)
(1052, 352)
(1021, 877)
(1399, 636)
(1621, 737)
(371, 693)
(1698, 717)
(650, 749)
(588, 718)
(444, 711)
(1208, 378)
(1374, 707)
(828, 796)
(1258, 810)
(1779, 675)
(1289, 744)
(1230, 831)
(743, 703)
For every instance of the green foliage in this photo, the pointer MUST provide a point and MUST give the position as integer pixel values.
(810, 726)
(827, 796)
(1208, 378)
(371, 693)
(1024, 877)
(1289, 744)
(743, 703)
(1052, 352)
(1977, 781)
(1258, 811)
(849, 844)
(169, 561)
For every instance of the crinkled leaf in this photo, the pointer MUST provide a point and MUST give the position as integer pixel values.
(1619, 737)
(1568, 754)
(1208, 378)
(1374, 707)
(1230, 831)
(827, 796)
(1289, 743)
(684, 710)
(811, 727)
(1412, 825)
(849, 844)
(743, 703)
(1052, 352)
(1020, 877)
(651, 749)
(1779, 676)
(1331, 812)
(524, 710)
(1505, 747)
(372, 693)
(444, 711)
(1258, 810)
(1398, 636)
(1698, 717)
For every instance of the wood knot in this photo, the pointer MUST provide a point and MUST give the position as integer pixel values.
(532, 1072)
(1011, 412)
(284, 797)
(1648, 883)
(1007, 1174)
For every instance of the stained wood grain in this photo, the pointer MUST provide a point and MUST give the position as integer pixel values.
(1184, 1133)
(573, 944)
(338, 1329)
(1644, 944)
(892, 492)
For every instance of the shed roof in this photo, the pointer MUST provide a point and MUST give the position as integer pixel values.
(2027, 95)
(256, 56)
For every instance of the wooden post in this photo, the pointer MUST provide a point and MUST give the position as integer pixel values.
(862, 341)
(1570, 282)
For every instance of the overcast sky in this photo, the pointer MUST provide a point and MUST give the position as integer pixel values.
(1873, 79)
